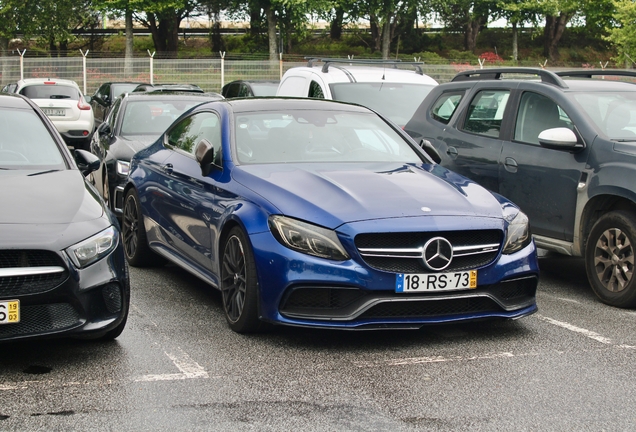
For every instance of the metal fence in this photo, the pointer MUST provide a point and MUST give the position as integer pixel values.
(209, 74)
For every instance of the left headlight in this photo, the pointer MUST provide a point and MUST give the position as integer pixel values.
(94, 248)
(517, 234)
(123, 167)
(307, 238)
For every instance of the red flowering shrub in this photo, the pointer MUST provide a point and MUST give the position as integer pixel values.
(490, 57)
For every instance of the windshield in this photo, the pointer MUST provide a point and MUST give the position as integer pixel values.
(119, 89)
(25, 143)
(50, 91)
(396, 101)
(613, 113)
(152, 117)
(318, 136)
(264, 89)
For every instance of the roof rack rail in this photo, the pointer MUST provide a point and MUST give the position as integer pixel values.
(589, 73)
(394, 63)
(495, 73)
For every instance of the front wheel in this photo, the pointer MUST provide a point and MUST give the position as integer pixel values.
(609, 259)
(239, 285)
(133, 232)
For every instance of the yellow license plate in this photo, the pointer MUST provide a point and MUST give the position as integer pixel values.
(9, 311)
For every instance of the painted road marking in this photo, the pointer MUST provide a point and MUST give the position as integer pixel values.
(189, 369)
(434, 359)
(585, 332)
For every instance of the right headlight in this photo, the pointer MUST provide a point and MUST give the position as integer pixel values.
(307, 238)
(123, 167)
(517, 234)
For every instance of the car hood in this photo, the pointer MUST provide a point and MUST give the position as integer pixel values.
(59, 197)
(334, 194)
(126, 147)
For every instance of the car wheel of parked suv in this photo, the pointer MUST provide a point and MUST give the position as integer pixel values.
(609, 258)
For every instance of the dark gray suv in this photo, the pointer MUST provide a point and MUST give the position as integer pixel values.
(560, 145)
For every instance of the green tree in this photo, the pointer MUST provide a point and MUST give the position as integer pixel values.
(516, 13)
(557, 15)
(623, 37)
(468, 16)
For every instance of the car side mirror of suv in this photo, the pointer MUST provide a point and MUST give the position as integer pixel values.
(104, 129)
(87, 162)
(431, 151)
(560, 138)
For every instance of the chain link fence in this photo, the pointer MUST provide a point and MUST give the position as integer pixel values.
(209, 74)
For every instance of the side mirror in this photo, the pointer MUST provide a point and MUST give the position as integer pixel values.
(560, 138)
(104, 129)
(204, 153)
(87, 162)
(88, 99)
(430, 151)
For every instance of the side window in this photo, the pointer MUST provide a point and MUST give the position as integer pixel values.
(112, 116)
(315, 91)
(244, 91)
(445, 106)
(232, 91)
(185, 135)
(536, 114)
(486, 111)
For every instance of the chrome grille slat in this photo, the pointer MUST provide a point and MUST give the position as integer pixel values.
(30, 271)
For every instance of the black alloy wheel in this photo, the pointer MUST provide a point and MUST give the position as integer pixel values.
(133, 232)
(609, 258)
(239, 285)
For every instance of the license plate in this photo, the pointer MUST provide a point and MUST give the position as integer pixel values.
(9, 312)
(54, 112)
(435, 282)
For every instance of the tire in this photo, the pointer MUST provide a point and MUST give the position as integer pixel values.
(609, 259)
(133, 233)
(239, 283)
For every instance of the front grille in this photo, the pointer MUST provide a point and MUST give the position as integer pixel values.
(16, 285)
(517, 289)
(390, 242)
(321, 298)
(446, 307)
(40, 319)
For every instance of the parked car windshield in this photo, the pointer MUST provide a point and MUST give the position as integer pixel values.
(50, 91)
(152, 117)
(121, 88)
(25, 142)
(613, 113)
(318, 136)
(396, 101)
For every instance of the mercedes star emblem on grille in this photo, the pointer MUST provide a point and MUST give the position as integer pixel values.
(437, 253)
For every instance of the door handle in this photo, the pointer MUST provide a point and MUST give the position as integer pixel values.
(510, 165)
(167, 168)
(452, 152)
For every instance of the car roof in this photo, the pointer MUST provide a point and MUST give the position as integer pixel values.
(338, 73)
(35, 81)
(13, 100)
(274, 103)
(171, 95)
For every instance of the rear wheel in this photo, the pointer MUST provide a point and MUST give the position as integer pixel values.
(239, 285)
(133, 232)
(609, 259)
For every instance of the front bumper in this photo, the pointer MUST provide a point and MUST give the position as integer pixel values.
(310, 292)
(87, 302)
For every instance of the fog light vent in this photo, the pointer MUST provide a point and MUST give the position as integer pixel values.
(112, 297)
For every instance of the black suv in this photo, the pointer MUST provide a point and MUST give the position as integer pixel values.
(562, 147)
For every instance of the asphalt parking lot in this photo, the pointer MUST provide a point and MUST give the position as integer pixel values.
(177, 366)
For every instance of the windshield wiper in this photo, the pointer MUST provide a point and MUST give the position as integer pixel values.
(59, 97)
(42, 172)
(624, 139)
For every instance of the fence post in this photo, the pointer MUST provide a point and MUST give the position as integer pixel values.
(21, 63)
(481, 63)
(84, 67)
(222, 68)
(151, 66)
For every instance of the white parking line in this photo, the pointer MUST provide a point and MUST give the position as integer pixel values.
(189, 369)
(585, 332)
(420, 360)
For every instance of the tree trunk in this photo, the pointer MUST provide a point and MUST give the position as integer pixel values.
(4, 50)
(217, 40)
(515, 44)
(255, 21)
(271, 32)
(128, 56)
(554, 27)
(376, 33)
(335, 30)
(471, 32)
(386, 38)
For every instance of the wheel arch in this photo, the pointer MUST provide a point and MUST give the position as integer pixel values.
(599, 205)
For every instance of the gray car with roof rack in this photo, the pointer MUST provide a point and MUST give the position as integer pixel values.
(561, 145)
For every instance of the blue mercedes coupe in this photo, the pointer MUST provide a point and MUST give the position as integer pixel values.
(317, 213)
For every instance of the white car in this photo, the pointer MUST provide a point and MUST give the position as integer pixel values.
(62, 101)
(376, 84)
